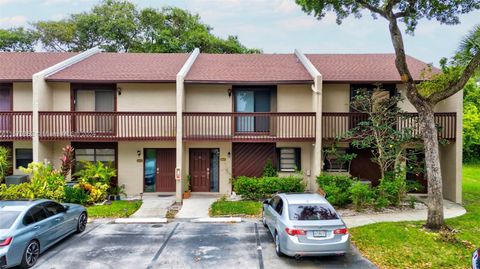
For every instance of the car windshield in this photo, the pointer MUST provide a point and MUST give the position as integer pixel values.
(8, 218)
(311, 212)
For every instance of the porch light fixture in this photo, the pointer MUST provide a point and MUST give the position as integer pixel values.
(119, 91)
(229, 154)
(229, 92)
(139, 153)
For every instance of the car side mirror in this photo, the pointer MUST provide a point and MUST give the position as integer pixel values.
(66, 208)
(266, 201)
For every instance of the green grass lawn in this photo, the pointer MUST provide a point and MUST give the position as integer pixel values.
(236, 208)
(115, 210)
(408, 245)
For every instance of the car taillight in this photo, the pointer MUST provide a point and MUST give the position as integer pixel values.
(340, 231)
(6, 242)
(292, 231)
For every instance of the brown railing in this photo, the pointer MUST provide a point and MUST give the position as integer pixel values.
(107, 126)
(259, 126)
(335, 124)
(15, 125)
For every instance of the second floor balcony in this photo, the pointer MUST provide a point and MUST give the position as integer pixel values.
(198, 126)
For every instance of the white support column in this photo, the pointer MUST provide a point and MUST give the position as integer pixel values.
(41, 95)
(317, 88)
(180, 108)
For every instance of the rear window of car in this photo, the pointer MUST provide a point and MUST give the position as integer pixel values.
(8, 218)
(311, 212)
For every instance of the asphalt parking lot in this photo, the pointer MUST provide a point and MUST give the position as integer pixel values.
(180, 245)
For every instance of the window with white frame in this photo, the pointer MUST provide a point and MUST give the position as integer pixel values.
(289, 159)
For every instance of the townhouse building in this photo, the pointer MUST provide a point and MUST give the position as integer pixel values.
(163, 118)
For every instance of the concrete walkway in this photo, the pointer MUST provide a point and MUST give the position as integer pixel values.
(197, 206)
(154, 206)
(451, 210)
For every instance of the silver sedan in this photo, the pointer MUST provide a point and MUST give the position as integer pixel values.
(28, 228)
(305, 225)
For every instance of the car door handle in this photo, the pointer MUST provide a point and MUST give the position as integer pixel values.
(36, 227)
(58, 219)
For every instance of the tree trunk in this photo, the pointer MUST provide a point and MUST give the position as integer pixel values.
(432, 163)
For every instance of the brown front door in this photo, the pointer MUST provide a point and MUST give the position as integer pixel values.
(165, 170)
(200, 170)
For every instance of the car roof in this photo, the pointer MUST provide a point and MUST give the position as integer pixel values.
(19, 204)
(304, 198)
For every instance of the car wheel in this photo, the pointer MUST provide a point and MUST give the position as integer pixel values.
(82, 222)
(277, 246)
(264, 220)
(31, 254)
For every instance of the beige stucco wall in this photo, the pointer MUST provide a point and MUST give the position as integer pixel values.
(146, 97)
(22, 96)
(294, 98)
(130, 170)
(452, 182)
(61, 96)
(336, 98)
(225, 186)
(208, 98)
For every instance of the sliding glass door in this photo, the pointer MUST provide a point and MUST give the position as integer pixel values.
(251, 101)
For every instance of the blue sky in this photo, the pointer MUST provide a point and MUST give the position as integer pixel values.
(276, 26)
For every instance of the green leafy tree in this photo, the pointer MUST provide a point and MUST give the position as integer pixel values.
(379, 132)
(471, 121)
(17, 39)
(119, 26)
(410, 12)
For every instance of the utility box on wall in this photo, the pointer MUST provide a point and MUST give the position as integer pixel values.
(16, 179)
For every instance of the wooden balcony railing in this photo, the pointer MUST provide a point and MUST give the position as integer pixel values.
(15, 125)
(336, 124)
(259, 126)
(107, 126)
(226, 126)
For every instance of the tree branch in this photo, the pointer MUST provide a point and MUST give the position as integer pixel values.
(457, 85)
(372, 8)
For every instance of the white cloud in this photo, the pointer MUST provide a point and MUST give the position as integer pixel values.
(14, 21)
(4, 2)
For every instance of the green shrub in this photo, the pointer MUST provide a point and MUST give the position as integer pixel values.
(393, 189)
(45, 182)
(4, 163)
(269, 170)
(336, 188)
(361, 194)
(76, 195)
(252, 188)
(16, 192)
(98, 172)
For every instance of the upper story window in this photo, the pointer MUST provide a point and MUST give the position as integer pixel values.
(5, 105)
(252, 100)
(94, 97)
(97, 98)
(385, 91)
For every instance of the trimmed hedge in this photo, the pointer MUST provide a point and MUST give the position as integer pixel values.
(252, 188)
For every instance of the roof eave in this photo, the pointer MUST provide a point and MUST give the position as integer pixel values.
(248, 82)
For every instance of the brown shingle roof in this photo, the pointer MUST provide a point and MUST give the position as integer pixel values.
(20, 66)
(124, 67)
(247, 68)
(362, 67)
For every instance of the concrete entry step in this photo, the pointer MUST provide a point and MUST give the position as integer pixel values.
(197, 206)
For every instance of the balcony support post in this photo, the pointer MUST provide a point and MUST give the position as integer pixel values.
(317, 87)
(180, 102)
